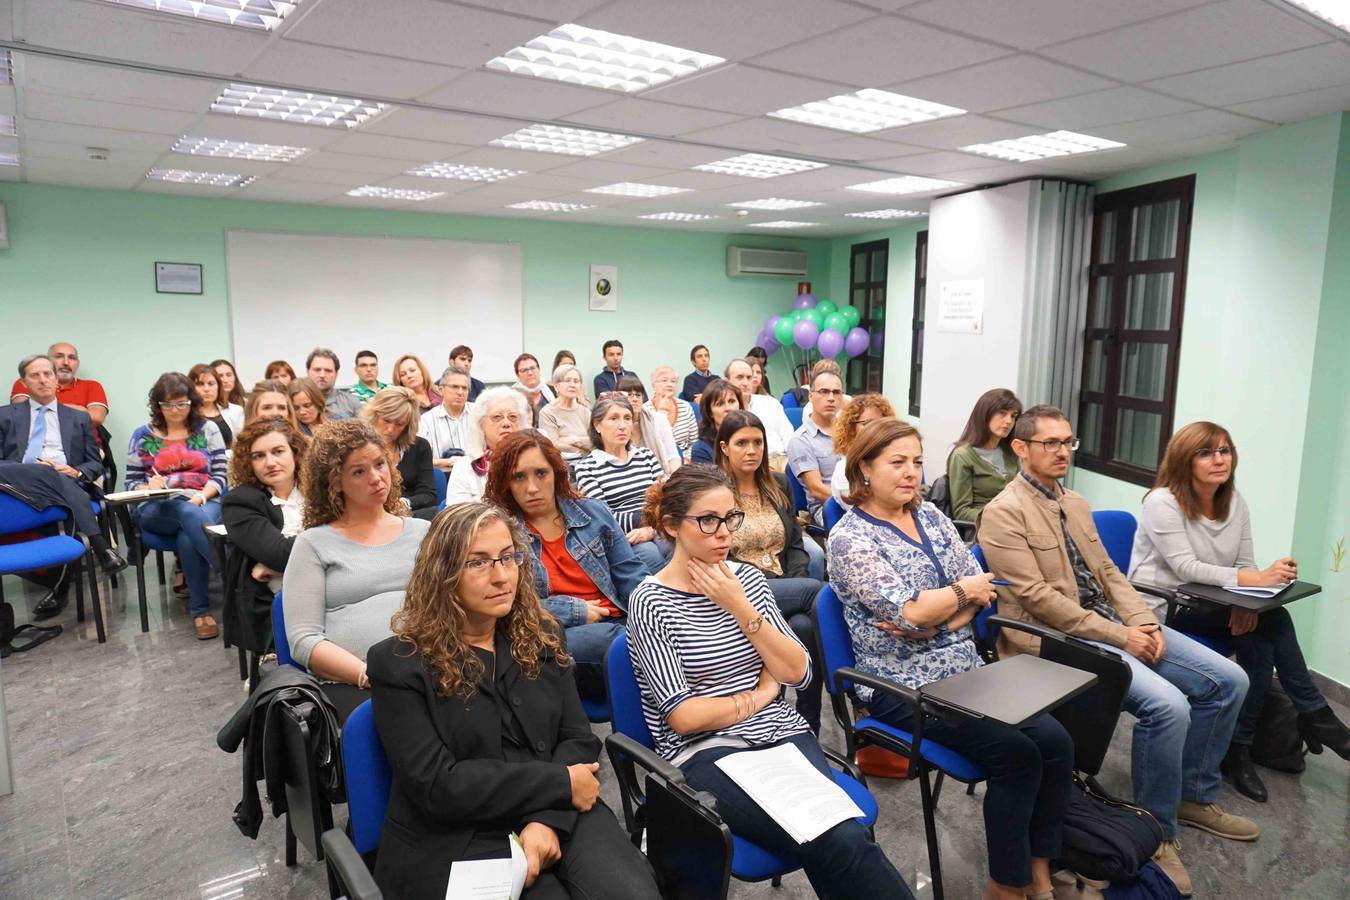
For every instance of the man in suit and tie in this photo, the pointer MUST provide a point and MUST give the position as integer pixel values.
(48, 452)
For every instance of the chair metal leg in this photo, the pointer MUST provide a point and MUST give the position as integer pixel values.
(970, 789)
(243, 664)
(290, 843)
(138, 555)
(937, 787)
(777, 881)
(159, 563)
(95, 603)
(79, 591)
(930, 832)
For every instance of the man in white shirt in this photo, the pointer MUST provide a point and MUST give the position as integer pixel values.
(443, 426)
(777, 429)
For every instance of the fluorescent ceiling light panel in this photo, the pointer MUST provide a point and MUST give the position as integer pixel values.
(568, 141)
(867, 110)
(550, 206)
(211, 179)
(294, 106)
(463, 173)
(6, 68)
(1043, 146)
(198, 146)
(1336, 12)
(903, 184)
(775, 203)
(263, 15)
(634, 189)
(8, 126)
(783, 223)
(887, 214)
(601, 59)
(385, 193)
(678, 217)
(759, 165)
(9, 159)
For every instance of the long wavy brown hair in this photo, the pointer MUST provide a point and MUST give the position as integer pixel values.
(846, 423)
(241, 465)
(1175, 472)
(333, 442)
(432, 618)
(507, 456)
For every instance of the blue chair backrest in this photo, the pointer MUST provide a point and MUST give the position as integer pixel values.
(442, 482)
(698, 412)
(976, 552)
(15, 515)
(836, 644)
(368, 778)
(789, 400)
(798, 492)
(625, 698)
(794, 414)
(981, 625)
(283, 646)
(834, 511)
(1116, 528)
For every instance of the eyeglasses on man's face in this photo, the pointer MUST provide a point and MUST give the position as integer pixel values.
(828, 392)
(1205, 454)
(708, 524)
(1054, 445)
(507, 561)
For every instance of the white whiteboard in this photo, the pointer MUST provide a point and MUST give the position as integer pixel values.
(290, 293)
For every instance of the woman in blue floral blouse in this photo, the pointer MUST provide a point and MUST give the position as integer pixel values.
(910, 588)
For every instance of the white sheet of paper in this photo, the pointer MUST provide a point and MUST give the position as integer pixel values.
(489, 879)
(792, 791)
(1266, 592)
(122, 496)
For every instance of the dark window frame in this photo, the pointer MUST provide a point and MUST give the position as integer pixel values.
(1114, 335)
(916, 320)
(860, 368)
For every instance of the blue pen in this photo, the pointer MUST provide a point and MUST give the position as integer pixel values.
(1001, 583)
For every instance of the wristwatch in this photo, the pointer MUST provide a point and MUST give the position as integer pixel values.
(754, 624)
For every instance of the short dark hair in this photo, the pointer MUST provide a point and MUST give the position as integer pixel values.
(757, 353)
(326, 354)
(631, 383)
(461, 350)
(558, 358)
(611, 343)
(29, 360)
(168, 386)
(1025, 429)
(698, 347)
(515, 366)
(713, 391)
(361, 354)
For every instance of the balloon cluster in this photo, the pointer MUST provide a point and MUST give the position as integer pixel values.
(819, 325)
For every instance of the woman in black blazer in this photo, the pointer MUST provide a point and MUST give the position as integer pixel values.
(262, 512)
(393, 413)
(477, 709)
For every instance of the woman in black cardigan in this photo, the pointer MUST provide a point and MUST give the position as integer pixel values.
(393, 413)
(477, 709)
(263, 512)
(770, 539)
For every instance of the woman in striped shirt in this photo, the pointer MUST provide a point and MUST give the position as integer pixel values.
(618, 474)
(710, 652)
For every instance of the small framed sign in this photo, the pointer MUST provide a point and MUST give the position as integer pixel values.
(178, 278)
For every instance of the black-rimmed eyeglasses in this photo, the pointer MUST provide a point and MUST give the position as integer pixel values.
(709, 524)
(1055, 445)
(508, 562)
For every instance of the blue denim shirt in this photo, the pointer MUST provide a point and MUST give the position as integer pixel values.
(601, 548)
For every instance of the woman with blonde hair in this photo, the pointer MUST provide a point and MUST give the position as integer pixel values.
(392, 412)
(860, 412)
(307, 401)
(679, 413)
(410, 372)
(349, 568)
(476, 705)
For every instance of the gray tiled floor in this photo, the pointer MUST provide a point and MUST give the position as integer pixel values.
(120, 790)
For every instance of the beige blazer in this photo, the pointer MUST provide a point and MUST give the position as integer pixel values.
(1020, 534)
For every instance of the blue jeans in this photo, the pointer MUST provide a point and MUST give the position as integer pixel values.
(1186, 706)
(844, 862)
(588, 645)
(654, 554)
(815, 562)
(176, 518)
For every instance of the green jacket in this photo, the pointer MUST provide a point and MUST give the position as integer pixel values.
(972, 482)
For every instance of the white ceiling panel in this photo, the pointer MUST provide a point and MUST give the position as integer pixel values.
(764, 135)
(666, 154)
(649, 117)
(857, 148)
(522, 160)
(555, 12)
(217, 164)
(96, 82)
(84, 173)
(365, 144)
(745, 89)
(451, 128)
(142, 158)
(1122, 104)
(348, 72)
(1180, 127)
(1326, 65)
(285, 191)
(363, 166)
(1036, 23)
(1297, 107)
(11, 145)
(86, 136)
(319, 175)
(517, 95)
(880, 51)
(425, 30)
(54, 108)
(1011, 81)
(958, 131)
(940, 163)
(1211, 35)
(607, 171)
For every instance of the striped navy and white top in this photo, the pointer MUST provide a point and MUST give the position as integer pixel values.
(684, 645)
(622, 486)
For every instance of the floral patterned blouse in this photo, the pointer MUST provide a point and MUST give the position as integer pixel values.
(877, 571)
(186, 463)
(760, 538)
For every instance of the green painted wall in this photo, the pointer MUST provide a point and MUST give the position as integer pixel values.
(79, 268)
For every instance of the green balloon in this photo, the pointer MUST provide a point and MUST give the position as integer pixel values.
(782, 331)
(851, 315)
(814, 315)
(825, 307)
(837, 321)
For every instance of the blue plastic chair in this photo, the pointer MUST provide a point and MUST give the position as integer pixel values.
(43, 552)
(789, 401)
(368, 778)
(834, 511)
(597, 710)
(749, 862)
(1116, 529)
(794, 415)
(836, 653)
(442, 482)
(799, 498)
(986, 632)
(283, 646)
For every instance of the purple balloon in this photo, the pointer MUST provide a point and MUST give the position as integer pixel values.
(805, 333)
(855, 342)
(878, 340)
(769, 323)
(831, 343)
(771, 345)
(804, 301)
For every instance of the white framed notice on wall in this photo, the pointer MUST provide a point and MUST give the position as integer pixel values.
(961, 306)
(604, 288)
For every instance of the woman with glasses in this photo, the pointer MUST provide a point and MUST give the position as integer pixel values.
(1195, 526)
(180, 450)
(477, 708)
(679, 413)
(498, 412)
(349, 567)
(618, 474)
(983, 462)
(711, 653)
(530, 382)
(566, 420)
(650, 429)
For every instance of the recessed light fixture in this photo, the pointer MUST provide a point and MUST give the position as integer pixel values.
(775, 203)
(1336, 12)
(759, 165)
(601, 59)
(678, 217)
(1043, 146)
(458, 172)
(294, 106)
(903, 184)
(9, 159)
(6, 68)
(210, 179)
(887, 214)
(568, 141)
(198, 146)
(634, 189)
(263, 15)
(783, 223)
(8, 126)
(867, 110)
(387, 193)
(550, 206)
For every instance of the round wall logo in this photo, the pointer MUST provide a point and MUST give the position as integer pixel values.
(603, 287)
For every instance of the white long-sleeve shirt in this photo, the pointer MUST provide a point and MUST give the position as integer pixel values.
(777, 429)
(1170, 549)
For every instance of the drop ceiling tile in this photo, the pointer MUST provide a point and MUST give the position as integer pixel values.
(632, 115)
(744, 89)
(1195, 39)
(286, 191)
(1297, 107)
(862, 149)
(522, 160)
(429, 125)
(54, 152)
(791, 186)
(1180, 127)
(1087, 111)
(1109, 162)
(9, 103)
(418, 183)
(558, 12)
(319, 175)
(958, 131)
(516, 95)
(101, 114)
(423, 30)
(734, 31)
(357, 166)
(1036, 23)
(77, 173)
(880, 51)
(1216, 143)
(940, 163)
(666, 154)
(607, 171)
(697, 181)
(265, 131)
(219, 164)
(395, 148)
(983, 175)
(1313, 68)
(760, 135)
(87, 136)
(347, 72)
(1011, 81)
(109, 83)
(505, 192)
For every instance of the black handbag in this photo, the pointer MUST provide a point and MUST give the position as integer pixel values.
(1106, 838)
(1277, 743)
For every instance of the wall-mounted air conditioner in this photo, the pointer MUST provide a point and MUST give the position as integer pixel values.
(759, 261)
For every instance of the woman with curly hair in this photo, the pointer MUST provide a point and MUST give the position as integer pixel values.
(477, 708)
(860, 412)
(348, 569)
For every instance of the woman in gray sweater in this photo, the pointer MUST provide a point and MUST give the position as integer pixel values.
(1195, 526)
(349, 568)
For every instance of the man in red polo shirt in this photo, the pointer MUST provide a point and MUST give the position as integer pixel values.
(77, 393)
